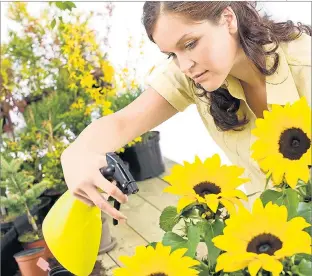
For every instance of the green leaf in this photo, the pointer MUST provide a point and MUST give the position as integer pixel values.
(270, 195)
(53, 23)
(70, 5)
(212, 230)
(305, 210)
(168, 218)
(152, 244)
(174, 240)
(305, 268)
(289, 198)
(291, 201)
(193, 235)
(60, 5)
(58, 126)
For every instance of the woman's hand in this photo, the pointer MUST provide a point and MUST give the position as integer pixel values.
(84, 179)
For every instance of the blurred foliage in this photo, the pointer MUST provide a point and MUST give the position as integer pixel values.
(56, 75)
(22, 195)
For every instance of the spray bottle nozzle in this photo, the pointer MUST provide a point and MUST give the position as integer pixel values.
(117, 170)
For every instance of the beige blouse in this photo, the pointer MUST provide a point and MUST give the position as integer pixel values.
(291, 81)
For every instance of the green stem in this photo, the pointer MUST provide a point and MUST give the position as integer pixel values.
(206, 267)
(31, 219)
(267, 182)
(300, 192)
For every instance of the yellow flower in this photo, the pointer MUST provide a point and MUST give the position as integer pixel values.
(133, 84)
(208, 183)
(283, 147)
(125, 70)
(148, 261)
(261, 239)
(138, 139)
(120, 150)
(72, 86)
(107, 111)
(87, 81)
(108, 71)
(79, 104)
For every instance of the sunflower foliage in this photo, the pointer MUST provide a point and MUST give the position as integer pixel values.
(270, 236)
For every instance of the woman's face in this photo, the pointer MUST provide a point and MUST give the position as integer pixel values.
(204, 51)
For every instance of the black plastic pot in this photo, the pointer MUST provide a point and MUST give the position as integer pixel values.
(145, 159)
(9, 246)
(53, 194)
(59, 271)
(21, 223)
(6, 226)
(43, 208)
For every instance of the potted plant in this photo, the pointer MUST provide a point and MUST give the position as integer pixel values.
(22, 198)
(143, 154)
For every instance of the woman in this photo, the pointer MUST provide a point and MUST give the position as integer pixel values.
(222, 56)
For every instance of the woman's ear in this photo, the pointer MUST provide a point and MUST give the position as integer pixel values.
(229, 18)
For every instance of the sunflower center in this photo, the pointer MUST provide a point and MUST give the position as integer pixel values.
(158, 274)
(206, 188)
(294, 143)
(264, 243)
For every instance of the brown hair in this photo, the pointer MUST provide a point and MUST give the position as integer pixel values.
(254, 31)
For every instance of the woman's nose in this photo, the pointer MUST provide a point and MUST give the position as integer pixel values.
(185, 64)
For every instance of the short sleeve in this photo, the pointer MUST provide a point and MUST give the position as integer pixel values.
(302, 78)
(168, 80)
(298, 54)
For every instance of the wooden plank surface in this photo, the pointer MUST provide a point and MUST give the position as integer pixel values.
(108, 263)
(151, 190)
(143, 218)
(143, 211)
(127, 240)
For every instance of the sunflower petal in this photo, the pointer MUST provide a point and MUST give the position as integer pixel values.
(212, 202)
(254, 267)
(257, 207)
(235, 193)
(183, 202)
(229, 206)
(269, 263)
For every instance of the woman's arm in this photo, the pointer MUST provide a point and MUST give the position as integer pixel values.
(83, 158)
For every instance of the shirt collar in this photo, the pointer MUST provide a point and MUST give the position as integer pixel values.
(280, 86)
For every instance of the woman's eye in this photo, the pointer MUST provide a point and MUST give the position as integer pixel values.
(190, 45)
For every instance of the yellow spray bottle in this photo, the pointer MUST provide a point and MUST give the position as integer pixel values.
(72, 229)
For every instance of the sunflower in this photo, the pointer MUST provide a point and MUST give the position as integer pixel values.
(283, 147)
(206, 182)
(149, 261)
(261, 239)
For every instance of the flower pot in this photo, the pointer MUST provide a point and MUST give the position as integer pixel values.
(6, 226)
(39, 243)
(21, 224)
(54, 195)
(43, 208)
(145, 159)
(107, 242)
(9, 246)
(59, 271)
(27, 262)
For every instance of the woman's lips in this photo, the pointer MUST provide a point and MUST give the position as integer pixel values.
(201, 77)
